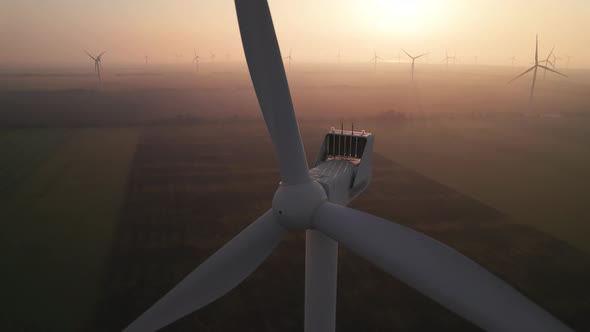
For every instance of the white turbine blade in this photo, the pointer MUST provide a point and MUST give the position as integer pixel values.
(220, 273)
(272, 89)
(526, 71)
(555, 71)
(420, 55)
(93, 58)
(437, 271)
(550, 53)
(407, 53)
(101, 54)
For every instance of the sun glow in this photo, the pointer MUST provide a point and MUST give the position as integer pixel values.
(403, 15)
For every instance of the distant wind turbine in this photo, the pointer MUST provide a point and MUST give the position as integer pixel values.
(475, 57)
(413, 60)
(447, 58)
(547, 62)
(196, 59)
(375, 59)
(146, 58)
(212, 57)
(289, 58)
(97, 64)
(534, 69)
(512, 60)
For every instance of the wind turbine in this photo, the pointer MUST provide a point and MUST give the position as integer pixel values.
(146, 58)
(374, 59)
(97, 64)
(212, 57)
(447, 58)
(314, 200)
(196, 59)
(413, 60)
(534, 69)
(547, 62)
(512, 59)
(290, 59)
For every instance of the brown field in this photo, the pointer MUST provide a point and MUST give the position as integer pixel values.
(180, 208)
(153, 172)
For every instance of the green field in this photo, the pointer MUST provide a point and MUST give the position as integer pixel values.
(58, 219)
(536, 170)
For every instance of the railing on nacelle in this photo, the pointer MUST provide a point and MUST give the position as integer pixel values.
(345, 144)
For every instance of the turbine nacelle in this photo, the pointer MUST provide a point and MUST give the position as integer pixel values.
(341, 172)
(344, 164)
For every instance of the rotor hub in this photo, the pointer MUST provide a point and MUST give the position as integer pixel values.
(294, 205)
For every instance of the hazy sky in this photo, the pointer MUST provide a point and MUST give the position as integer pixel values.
(52, 32)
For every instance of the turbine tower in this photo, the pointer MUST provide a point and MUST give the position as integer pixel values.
(413, 60)
(547, 62)
(196, 59)
(97, 64)
(374, 60)
(289, 58)
(534, 69)
(315, 200)
(146, 58)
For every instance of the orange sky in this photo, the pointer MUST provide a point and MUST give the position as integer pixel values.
(55, 32)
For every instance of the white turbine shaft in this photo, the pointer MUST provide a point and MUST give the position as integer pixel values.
(321, 267)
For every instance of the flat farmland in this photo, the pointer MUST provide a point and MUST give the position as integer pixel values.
(536, 170)
(192, 188)
(58, 222)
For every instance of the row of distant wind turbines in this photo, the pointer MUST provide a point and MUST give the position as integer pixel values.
(548, 64)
